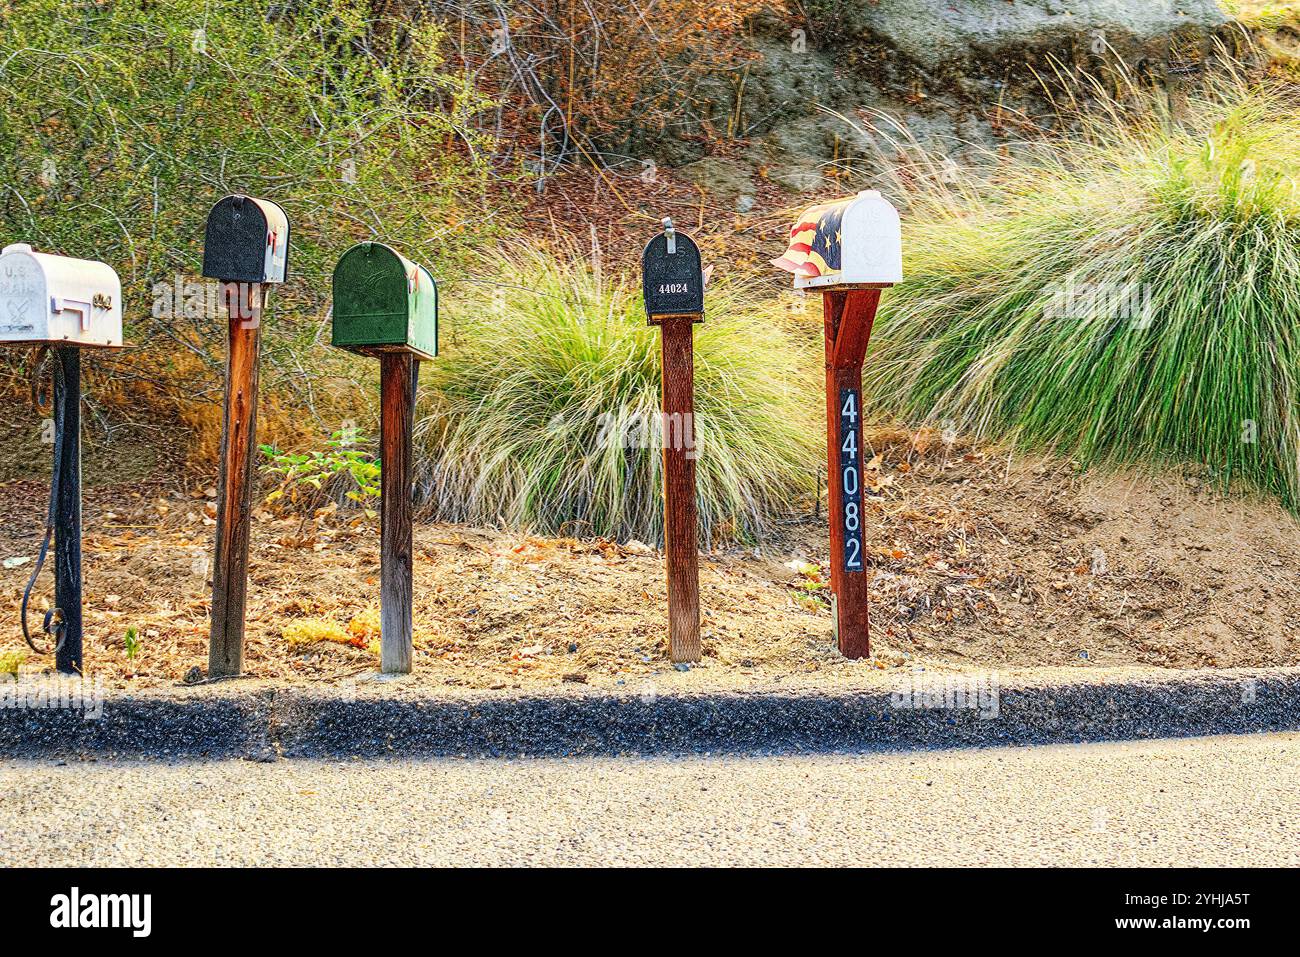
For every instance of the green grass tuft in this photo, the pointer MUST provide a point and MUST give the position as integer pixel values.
(548, 400)
(1192, 231)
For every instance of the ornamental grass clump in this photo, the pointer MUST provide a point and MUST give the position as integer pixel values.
(546, 407)
(1130, 294)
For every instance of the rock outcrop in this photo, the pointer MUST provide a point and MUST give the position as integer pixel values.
(954, 72)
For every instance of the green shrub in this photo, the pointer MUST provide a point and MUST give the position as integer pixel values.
(121, 123)
(1130, 294)
(548, 401)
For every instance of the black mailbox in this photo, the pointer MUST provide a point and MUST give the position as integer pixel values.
(672, 278)
(246, 240)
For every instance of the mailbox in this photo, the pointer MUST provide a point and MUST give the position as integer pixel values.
(56, 300)
(846, 243)
(383, 302)
(672, 278)
(246, 240)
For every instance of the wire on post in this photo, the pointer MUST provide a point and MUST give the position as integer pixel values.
(54, 618)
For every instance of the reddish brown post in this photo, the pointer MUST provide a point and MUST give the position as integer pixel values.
(850, 249)
(680, 520)
(672, 285)
(848, 316)
(246, 248)
(397, 398)
(234, 501)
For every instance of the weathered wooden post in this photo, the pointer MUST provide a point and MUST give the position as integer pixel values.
(66, 305)
(246, 247)
(672, 283)
(850, 250)
(387, 306)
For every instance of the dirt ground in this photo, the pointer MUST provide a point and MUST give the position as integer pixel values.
(980, 560)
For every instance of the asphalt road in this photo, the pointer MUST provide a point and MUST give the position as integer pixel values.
(1206, 801)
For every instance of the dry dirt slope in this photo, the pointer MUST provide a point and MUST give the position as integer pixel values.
(980, 561)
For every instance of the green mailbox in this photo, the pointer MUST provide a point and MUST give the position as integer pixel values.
(383, 302)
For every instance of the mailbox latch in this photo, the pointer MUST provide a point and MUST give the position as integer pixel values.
(670, 234)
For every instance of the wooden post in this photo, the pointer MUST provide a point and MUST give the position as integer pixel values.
(848, 316)
(672, 286)
(397, 372)
(680, 522)
(67, 517)
(234, 501)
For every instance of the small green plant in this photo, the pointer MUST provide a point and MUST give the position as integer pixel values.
(132, 642)
(10, 662)
(308, 479)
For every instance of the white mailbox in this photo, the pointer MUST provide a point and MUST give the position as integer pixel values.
(849, 242)
(57, 300)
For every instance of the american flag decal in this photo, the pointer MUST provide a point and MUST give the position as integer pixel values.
(814, 248)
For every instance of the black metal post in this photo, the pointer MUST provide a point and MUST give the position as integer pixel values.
(67, 520)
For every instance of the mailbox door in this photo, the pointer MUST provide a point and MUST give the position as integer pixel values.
(235, 241)
(276, 262)
(672, 283)
(875, 252)
(423, 338)
(371, 298)
(24, 305)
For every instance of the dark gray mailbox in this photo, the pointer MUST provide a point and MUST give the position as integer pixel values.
(246, 240)
(246, 247)
(672, 278)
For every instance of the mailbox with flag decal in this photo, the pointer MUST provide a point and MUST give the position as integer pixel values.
(383, 302)
(848, 242)
(57, 300)
(247, 240)
(850, 250)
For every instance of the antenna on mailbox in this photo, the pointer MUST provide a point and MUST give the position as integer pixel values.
(64, 305)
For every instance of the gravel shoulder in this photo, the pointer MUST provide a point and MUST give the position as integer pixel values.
(266, 721)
